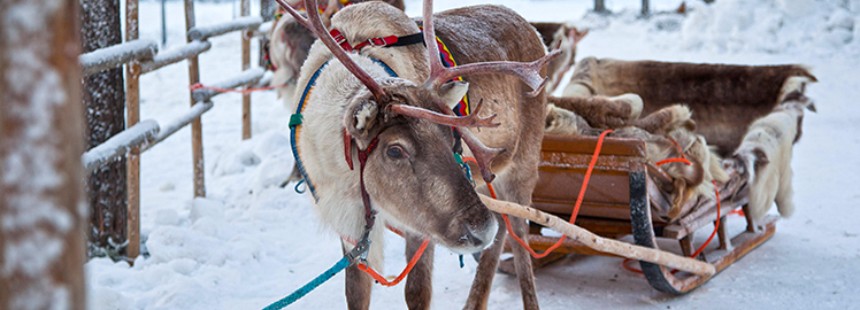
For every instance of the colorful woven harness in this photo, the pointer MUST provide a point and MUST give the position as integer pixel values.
(297, 118)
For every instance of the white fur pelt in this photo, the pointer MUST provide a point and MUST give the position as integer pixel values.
(766, 153)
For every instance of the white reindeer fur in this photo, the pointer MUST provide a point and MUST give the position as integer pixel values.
(340, 206)
(278, 57)
(773, 135)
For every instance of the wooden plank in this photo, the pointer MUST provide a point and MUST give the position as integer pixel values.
(132, 93)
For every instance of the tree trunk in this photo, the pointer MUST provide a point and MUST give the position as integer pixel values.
(41, 141)
(104, 97)
(267, 11)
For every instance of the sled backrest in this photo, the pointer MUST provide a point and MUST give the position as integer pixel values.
(564, 161)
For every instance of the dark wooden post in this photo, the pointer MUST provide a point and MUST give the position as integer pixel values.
(104, 99)
(42, 204)
(646, 8)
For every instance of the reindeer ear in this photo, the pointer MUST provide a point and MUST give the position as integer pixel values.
(452, 92)
(577, 35)
(361, 118)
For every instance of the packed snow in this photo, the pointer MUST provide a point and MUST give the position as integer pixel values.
(251, 242)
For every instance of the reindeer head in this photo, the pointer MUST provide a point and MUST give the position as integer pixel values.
(406, 131)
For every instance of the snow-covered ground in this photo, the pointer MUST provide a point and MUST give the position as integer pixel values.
(250, 242)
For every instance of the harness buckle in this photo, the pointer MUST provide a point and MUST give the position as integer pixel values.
(376, 42)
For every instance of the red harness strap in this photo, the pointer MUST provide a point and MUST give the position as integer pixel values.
(381, 42)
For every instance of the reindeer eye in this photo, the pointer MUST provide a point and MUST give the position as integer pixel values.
(395, 152)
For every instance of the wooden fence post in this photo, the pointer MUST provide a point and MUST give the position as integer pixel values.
(599, 6)
(42, 205)
(104, 98)
(246, 64)
(196, 125)
(646, 8)
(132, 93)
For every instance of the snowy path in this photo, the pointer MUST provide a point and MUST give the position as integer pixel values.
(250, 242)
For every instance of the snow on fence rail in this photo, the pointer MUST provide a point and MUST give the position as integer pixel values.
(148, 133)
(247, 77)
(117, 55)
(242, 23)
(175, 55)
(180, 122)
(119, 144)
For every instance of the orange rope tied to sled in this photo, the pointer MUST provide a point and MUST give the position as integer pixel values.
(382, 280)
(576, 206)
(682, 159)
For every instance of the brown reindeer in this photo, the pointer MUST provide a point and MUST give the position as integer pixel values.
(725, 98)
(413, 180)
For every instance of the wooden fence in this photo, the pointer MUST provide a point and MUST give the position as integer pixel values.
(141, 57)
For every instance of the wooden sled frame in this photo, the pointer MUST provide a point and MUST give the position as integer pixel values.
(618, 202)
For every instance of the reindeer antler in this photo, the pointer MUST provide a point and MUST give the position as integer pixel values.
(471, 120)
(527, 72)
(315, 25)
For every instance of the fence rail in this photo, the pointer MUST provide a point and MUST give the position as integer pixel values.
(117, 55)
(175, 55)
(242, 23)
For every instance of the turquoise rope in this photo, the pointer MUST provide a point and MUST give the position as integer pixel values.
(304, 290)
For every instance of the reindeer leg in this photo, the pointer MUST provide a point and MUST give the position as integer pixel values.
(516, 186)
(523, 265)
(479, 294)
(419, 284)
(358, 286)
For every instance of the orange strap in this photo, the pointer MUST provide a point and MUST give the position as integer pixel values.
(382, 280)
(681, 159)
(576, 206)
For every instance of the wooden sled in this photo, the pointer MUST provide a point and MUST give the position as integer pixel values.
(621, 193)
(618, 202)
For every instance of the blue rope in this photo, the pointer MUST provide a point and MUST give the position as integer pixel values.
(310, 286)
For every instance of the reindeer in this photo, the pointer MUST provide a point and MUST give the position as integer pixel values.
(413, 180)
(559, 36)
